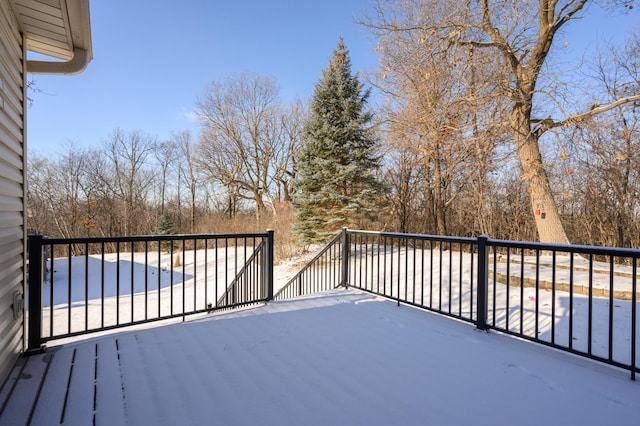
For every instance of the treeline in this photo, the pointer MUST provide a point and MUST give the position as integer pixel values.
(463, 126)
(129, 183)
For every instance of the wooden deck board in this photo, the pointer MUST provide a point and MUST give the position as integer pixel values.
(109, 397)
(26, 389)
(51, 401)
(136, 385)
(80, 399)
(6, 389)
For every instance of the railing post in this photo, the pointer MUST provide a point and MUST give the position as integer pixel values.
(345, 257)
(34, 289)
(269, 263)
(483, 283)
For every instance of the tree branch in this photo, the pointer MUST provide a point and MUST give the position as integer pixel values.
(547, 124)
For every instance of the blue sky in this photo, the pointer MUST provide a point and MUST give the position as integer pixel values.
(152, 59)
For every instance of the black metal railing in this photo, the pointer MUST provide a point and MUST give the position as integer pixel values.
(324, 272)
(579, 299)
(85, 285)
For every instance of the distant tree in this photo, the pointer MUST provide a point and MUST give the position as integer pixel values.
(128, 177)
(187, 172)
(165, 154)
(291, 127)
(242, 137)
(336, 182)
(165, 227)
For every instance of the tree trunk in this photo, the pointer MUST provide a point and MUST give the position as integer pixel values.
(545, 210)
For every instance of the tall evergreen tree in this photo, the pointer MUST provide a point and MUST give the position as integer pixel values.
(336, 181)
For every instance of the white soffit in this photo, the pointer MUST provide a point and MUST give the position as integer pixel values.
(60, 29)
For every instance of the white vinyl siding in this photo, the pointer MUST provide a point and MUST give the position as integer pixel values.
(12, 188)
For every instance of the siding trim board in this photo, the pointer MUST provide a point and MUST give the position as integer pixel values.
(12, 216)
(61, 29)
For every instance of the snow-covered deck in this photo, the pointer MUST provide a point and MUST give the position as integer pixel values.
(342, 357)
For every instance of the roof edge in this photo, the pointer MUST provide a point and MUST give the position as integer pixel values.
(79, 30)
(76, 65)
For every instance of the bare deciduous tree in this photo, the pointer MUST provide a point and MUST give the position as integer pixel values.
(604, 154)
(517, 36)
(435, 104)
(127, 176)
(165, 154)
(188, 171)
(244, 144)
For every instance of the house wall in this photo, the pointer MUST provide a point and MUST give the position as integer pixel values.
(12, 188)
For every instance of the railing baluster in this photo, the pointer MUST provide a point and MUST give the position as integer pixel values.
(269, 261)
(415, 248)
(118, 283)
(482, 283)
(571, 260)
(146, 280)
(159, 277)
(171, 276)
(195, 276)
(345, 258)
(460, 254)
(537, 301)
(553, 297)
(406, 269)
(522, 291)
(508, 285)
(494, 287)
(216, 273)
(184, 287)
(422, 275)
(133, 251)
(86, 286)
(634, 313)
(590, 322)
(51, 287)
(35, 293)
(384, 275)
(450, 274)
(69, 289)
(206, 273)
(431, 273)
(440, 277)
(611, 290)
(472, 270)
(102, 285)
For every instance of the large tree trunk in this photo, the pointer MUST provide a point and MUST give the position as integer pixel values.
(545, 211)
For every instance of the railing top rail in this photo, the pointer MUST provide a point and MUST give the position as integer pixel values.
(567, 248)
(333, 241)
(142, 238)
(466, 240)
